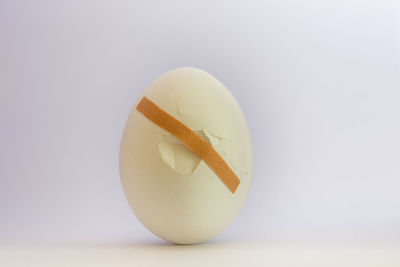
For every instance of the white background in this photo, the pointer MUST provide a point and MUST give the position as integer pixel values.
(318, 81)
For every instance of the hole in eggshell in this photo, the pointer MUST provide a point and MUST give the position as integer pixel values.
(177, 155)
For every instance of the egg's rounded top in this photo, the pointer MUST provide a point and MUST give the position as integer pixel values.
(172, 190)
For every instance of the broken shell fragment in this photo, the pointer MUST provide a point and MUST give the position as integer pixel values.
(186, 170)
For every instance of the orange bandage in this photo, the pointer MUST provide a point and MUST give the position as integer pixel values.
(194, 142)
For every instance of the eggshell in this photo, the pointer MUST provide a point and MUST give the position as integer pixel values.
(172, 191)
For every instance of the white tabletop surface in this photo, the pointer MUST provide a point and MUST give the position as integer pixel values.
(208, 254)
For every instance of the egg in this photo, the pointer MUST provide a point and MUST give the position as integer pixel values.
(176, 181)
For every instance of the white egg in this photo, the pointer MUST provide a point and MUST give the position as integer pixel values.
(171, 190)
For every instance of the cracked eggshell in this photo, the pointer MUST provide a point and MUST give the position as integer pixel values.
(169, 188)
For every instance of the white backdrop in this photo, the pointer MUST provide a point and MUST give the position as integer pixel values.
(318, 81)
